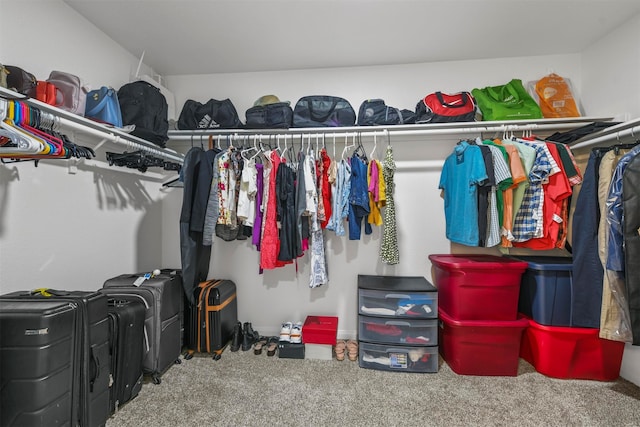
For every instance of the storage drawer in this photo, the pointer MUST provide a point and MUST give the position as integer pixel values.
(418, 305)
(398, 358)
(398, 331)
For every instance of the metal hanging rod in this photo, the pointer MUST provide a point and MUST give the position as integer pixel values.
(392, 131)
(83, 125)
(611, 134)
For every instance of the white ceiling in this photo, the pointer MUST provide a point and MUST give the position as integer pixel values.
(182, 37)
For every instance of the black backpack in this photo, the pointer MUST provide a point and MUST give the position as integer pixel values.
(144, 106)
(213, 114)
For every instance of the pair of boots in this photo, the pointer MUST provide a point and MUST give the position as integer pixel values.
(243, 337)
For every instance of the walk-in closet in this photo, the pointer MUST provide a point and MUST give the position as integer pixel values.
(74, 223)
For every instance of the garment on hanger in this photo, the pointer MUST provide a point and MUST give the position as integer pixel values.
(358, 199)
(462, 172)
(194, 255)
(631, 235)
(389, 251)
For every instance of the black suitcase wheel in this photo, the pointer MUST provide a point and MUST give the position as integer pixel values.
(156, 380)
(216, 357)
(178, 361)
(188, 356)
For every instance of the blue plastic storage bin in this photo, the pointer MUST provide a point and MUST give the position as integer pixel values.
(546, 290)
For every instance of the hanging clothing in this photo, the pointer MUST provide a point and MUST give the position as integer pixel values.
(611, 315)
(615, 265)
(389, 252)
(257, 224)
(286, 213)
(246, 211)
(556, 191)
(340, 199)
(377, 190)
(318, 275)
(325, 187)
(484, 190)
(194, 256)
(213, 209)
(503, 180)
(302, 221)
(528, 220)
(358, 199)
(270, 246)
(631, 227)
(461, 173)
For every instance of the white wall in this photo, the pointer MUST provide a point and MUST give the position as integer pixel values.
(59, 229)
(611, 82)
(267, 300)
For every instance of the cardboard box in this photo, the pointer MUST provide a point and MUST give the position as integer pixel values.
(320, 330)
(318, 351)
(287, 350)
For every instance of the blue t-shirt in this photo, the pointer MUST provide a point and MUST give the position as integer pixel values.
(463, 170)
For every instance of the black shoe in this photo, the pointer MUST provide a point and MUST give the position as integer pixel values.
(249, 337)
(237, 339)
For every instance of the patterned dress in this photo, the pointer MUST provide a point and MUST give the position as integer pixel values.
(389, 253)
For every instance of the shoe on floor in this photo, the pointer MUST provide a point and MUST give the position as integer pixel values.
(285, 331)
(249, 337)
(237, 339)
(295, 335)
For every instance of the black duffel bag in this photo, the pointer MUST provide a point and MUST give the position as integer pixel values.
(374, 112)
(323, 111)
(214, 114)
(278, 115)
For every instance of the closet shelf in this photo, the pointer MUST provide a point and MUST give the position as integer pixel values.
(98, 132)
(432, 129)
(611, 135)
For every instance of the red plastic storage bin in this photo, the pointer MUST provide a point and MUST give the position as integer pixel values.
(481, 347)
(575, 353)
(320, 330)
(478, 287)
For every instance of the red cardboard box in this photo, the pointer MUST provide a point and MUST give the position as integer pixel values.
(571, 353)
(320, 330)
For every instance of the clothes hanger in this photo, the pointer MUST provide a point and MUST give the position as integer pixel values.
(375, 144)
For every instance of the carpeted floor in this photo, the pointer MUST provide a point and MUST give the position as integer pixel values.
(243, 389)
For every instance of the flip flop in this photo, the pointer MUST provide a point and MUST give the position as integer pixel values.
(257, 347)
(352, 350)
(272, 346)
(339, 349)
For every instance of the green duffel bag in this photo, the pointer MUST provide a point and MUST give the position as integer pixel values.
(506, 102)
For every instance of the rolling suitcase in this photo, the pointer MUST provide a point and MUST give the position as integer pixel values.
(54, 348)
(126, 343)
(162, 296)
(212, 320)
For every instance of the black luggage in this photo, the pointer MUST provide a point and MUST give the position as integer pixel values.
(162, 296)
(126, 344)
(54, 348)
(211, 321)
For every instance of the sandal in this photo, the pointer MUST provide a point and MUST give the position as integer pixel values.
(257, 347)
(352, 350)
(339, 349)
(272, 346)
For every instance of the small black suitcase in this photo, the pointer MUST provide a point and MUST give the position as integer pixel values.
(126, 344)
(162, 296)
(211, 321)
(54, 348)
